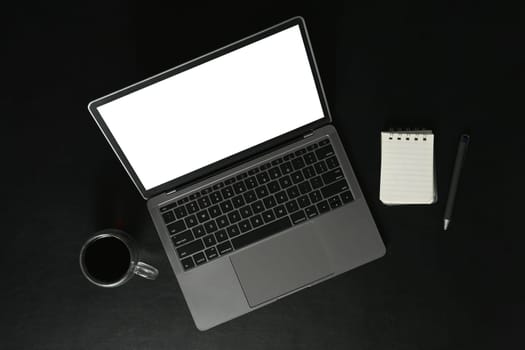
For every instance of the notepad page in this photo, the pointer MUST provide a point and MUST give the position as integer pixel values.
(407, 168)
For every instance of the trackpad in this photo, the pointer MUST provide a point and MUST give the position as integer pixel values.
(280, 265)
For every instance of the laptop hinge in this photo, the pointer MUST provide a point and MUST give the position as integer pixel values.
(310, 133)
(170, 192)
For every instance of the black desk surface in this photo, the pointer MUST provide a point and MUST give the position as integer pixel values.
(383, 66)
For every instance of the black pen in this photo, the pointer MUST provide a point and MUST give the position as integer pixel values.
(460, 157)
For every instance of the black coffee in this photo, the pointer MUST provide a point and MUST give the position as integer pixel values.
(107, 259)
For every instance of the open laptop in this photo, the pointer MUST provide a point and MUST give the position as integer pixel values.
(245, 177)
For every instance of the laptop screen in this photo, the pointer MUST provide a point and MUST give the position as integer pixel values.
(216, 109)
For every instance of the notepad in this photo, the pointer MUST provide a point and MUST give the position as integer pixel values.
(407, 168)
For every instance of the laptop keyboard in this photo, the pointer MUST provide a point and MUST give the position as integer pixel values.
(256, 204)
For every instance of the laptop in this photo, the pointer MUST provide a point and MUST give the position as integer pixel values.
(246, 179)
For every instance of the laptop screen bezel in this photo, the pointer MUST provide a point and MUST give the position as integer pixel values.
(225, 163)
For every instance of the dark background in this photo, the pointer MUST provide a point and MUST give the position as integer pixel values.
(440, 66)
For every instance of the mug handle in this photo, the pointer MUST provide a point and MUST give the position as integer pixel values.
(146, 271)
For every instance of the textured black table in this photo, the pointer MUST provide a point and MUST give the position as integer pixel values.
(383, 66)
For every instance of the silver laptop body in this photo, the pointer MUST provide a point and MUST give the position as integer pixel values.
(246, 179)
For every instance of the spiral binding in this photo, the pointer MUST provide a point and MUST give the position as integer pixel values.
(407, 134)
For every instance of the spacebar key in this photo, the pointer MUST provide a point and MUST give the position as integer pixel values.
(260, 233)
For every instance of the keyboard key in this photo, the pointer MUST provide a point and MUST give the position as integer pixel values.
(224, 248)
(333, 175)
(210, 226)
(324, 152)
(309, 158)
(292, 206)
(274, 186)
(274, 173)
(320, 167)
(253, 171)
(308, 172)
(332, 162)
(191, 221)
(180, 212)
(268, 216)
(214, 211)
(304, 187)
(190, 248)
(206, 191)
(176, 227)
(316, 182)
(182, 238)
(204, 202)
(286, 168)
(183, 201)
(324, 142)
(218, 186)
(211, 253)
(269, 202)
(300, 152)
(209, 240)
(241, 176)
(198, 231)
(316, 196)
(215, 197)
(285, 181)
(233, 231)
(203, 216)
(298, 163)
(277, 161)
(265, 166)
(238, 201)
(168, 217)
(221, 235)
(199, 258)
(297, 177)
(347, 197)
(288, 157)
(312, 147)
(192, 207)
(280, 211)
(311, 211)
(335, 202)
(234, 216)
(261, 191)
(293, 192)
(239, 187)
(245, 226)
(226, 206)
(250, 196)
(256, 221)
(246, 211)
(323, 206)
(229, 181)
(187, 263)
(227, 192)
(298, 217)
(303, 201)
(168, 207)
(257, 207)
(281, 197)
(251, 182)
(263, 177)
(222, 221)
(334, 188)
(194, 195)
(261, 233)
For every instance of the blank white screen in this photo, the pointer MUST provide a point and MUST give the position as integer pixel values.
(216, 109)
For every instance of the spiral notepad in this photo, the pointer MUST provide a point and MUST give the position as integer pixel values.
(407, 168)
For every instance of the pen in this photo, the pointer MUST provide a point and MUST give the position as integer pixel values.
(460, 157)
